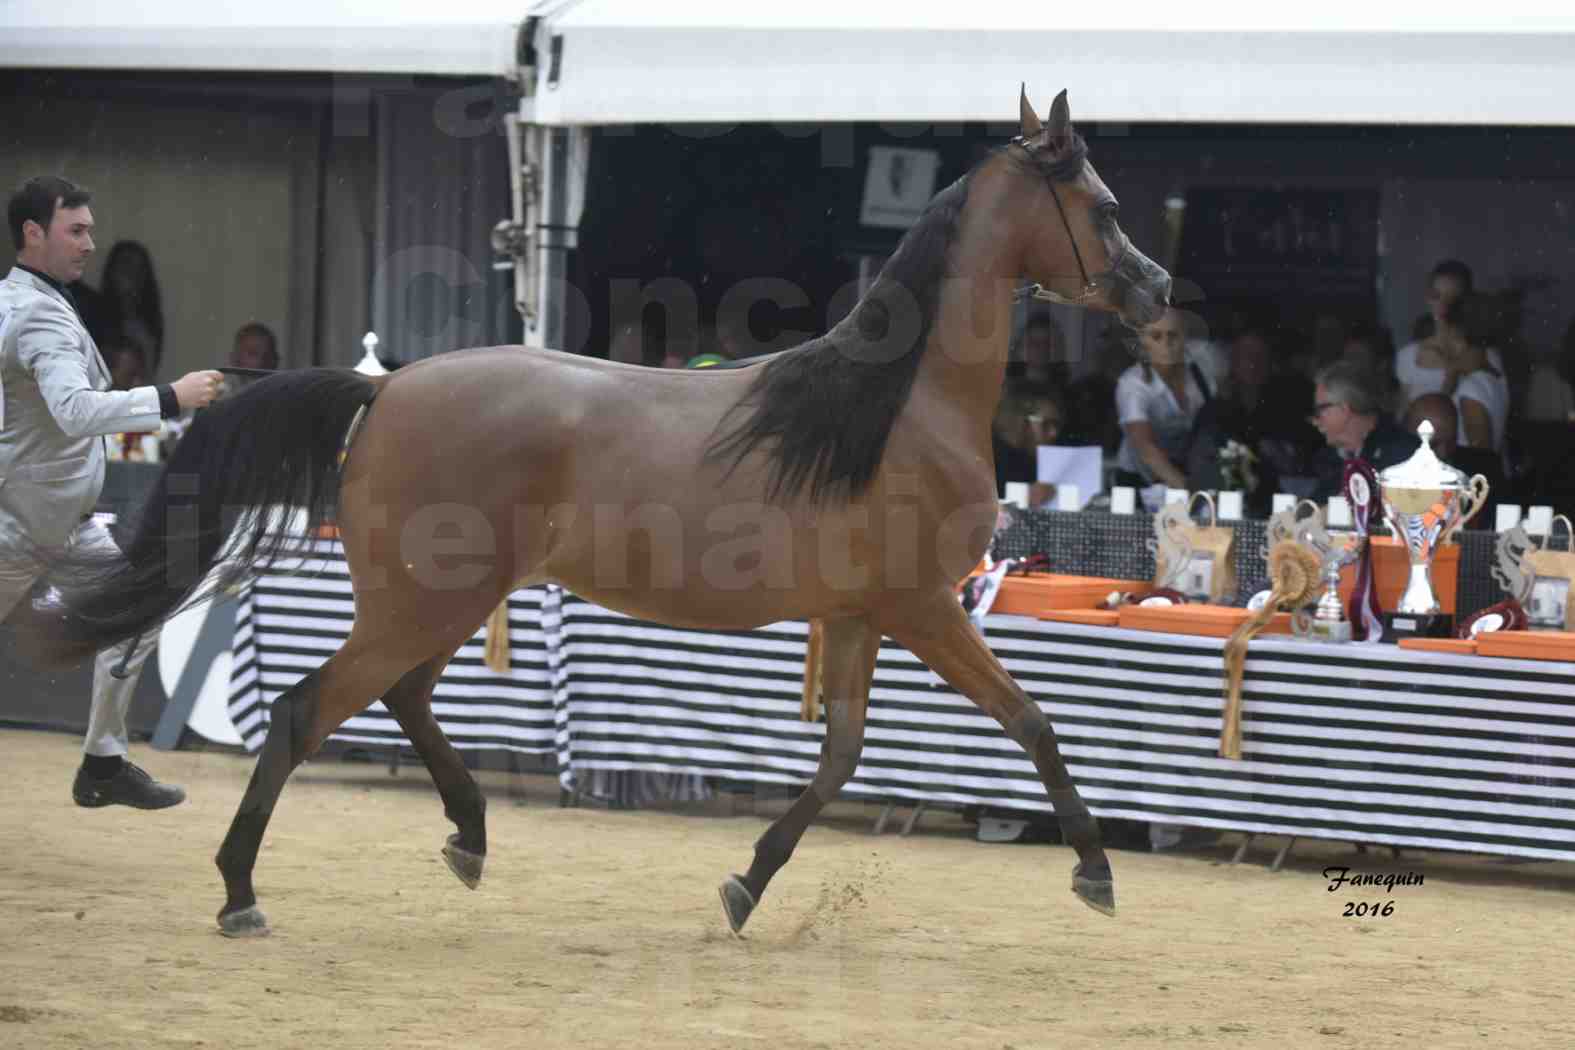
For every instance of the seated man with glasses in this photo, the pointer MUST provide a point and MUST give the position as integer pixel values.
(1348, 411)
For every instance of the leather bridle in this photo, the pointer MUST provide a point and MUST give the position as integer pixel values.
(1039, 292)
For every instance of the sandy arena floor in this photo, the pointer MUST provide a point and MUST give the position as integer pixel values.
(597, 928)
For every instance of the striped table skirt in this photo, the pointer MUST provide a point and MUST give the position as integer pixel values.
(1366, 743)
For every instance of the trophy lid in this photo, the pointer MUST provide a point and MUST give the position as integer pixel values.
(1424, 470)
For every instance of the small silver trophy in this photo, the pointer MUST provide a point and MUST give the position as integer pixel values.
(1425, 500)
(1329, 623)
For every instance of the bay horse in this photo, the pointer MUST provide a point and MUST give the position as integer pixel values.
(847, 481)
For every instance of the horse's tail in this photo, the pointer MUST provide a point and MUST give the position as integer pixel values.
(275, 444)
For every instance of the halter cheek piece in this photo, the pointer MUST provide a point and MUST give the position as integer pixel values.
(1039, 292)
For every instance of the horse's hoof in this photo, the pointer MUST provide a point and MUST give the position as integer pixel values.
(737, 902)
(248, 922)
(1099, 894)
(463, 863)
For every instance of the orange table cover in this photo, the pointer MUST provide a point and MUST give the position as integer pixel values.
(1392, 569)
(1528, 645)
(1461, 646)
(1043, 592)
(1214, 621)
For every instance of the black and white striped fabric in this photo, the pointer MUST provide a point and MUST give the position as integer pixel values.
(293, 618)
(1367, 743)
(1376, 744)
(635, 695)
(1372, 744)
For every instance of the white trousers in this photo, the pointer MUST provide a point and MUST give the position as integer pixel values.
(106, 733)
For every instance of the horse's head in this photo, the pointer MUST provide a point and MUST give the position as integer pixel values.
(1076, 250)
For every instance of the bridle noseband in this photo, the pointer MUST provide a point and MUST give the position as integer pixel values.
(1039, 292)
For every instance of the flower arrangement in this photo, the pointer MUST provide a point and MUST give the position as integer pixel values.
(1238, 467)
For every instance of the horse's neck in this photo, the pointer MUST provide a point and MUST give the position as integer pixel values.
(965, 360)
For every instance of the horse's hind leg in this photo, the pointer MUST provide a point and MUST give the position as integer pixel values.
(463, 803)
(300, 720)
(848, 664)
(939, 633)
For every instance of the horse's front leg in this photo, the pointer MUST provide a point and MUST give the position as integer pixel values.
(848, 657)
(938, 632)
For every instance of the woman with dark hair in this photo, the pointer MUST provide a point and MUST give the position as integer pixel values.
(1473, 372)
(1430, 363)
(128, 311)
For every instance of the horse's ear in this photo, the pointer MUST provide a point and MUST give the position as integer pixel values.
(1060, 119)
(1031, 125)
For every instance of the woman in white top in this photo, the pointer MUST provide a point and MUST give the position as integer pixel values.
(1422, 368)
(1473, 372)
(1157, 400)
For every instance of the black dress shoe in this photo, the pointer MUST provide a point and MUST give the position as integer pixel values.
(131, 786)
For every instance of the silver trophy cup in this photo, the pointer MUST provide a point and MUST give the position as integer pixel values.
(1426, 501)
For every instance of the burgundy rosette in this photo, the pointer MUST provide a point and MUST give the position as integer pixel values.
(1361, 491)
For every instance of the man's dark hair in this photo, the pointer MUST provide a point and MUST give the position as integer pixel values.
(37, 199)
(259, 329)
(1456, 269)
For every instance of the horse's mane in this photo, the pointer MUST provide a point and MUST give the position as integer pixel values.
(824, 409)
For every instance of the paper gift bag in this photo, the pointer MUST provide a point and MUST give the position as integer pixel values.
(1552, 574)
(1197, 560)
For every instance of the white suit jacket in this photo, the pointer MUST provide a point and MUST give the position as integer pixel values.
(55, 407)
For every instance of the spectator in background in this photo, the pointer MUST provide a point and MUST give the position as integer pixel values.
(127, 309)
(1473, 372)
(1040, 355)
(256, 347)
(1262, 411)
(1157, 401)
(1349, 414)
(1422, 365)
(1028, 416)
(1550, 397)
(1439, 410)
(1089, 397)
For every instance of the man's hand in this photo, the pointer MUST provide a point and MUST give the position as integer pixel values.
(197, 389)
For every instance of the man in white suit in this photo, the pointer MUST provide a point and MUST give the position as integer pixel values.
(56, 406)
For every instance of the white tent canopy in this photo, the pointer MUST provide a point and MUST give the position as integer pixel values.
(677, 62)
(1340, 61)
(673, 61)
(449, 38)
